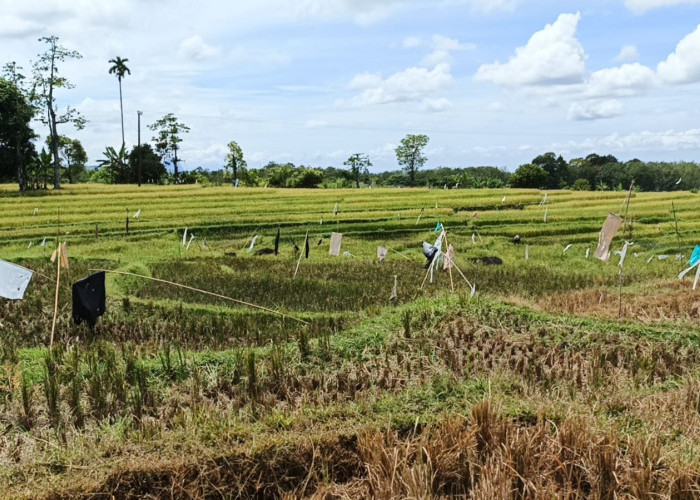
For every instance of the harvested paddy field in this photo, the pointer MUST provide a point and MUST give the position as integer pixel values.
(555, 376)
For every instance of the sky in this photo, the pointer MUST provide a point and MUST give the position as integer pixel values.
(490, 82)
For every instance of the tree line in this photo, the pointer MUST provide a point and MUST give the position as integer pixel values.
(63, 159)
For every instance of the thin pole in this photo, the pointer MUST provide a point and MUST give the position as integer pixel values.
(402, 255)
(627, 208)
(55, 302)
(138, 155)
(449, 269)
(202, 291)
(675, 221)
(619, 295)
(301, 254)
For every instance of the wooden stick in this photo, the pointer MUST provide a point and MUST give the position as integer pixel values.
(402, 255)
(463, 276)
(301, 254)
(675, 220)
(449, 269)
(627, 208)
(55, 302)
(255, 306)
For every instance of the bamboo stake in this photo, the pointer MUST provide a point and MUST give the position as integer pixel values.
(675, 221)
(254, 306)
(449, 269)
(627, 208)
(55, 302)
(301, 254)
(402, 255)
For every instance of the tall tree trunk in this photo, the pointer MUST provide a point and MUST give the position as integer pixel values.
(21, 171)
(121, 108)
(175, 163)
(54, 149)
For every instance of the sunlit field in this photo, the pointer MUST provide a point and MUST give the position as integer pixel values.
(556, 376)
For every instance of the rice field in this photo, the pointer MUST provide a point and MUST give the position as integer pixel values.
(559, 377)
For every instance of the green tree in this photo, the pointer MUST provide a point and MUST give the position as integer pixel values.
(234, 160)
(529, 176)
(167, 139)
(410, 154)
(556, 168)
(359, 164)
(74, 157)
(581, 185)
(152, 169)
(46, 81)
(39, 170)
(304, 177)
(115, 164)
(16, 134)
(120, 69)
(279, 175)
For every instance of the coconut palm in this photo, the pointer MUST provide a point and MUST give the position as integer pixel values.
(120, 69)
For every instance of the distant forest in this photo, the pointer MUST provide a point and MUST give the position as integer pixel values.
(547, 171)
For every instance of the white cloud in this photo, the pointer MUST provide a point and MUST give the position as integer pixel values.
(410, 84)
(258, 56)
(628, 53)
(11, 27)
(362, 12)
(628, 79)
(486, 6)
(436, 105)
(412, 42)
(593, 110)
(683, 66)
(365, 81)
(418, 83)
(641, 6)
(196, 49)
(553, 55)
(489, 6)
(312, 124)
(633, 143)
(443, 48)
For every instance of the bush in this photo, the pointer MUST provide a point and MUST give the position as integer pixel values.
(581, 185)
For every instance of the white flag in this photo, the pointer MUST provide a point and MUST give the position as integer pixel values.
(381, 253)
(567, 247)
(190, 242)
(527, 252)
(184, 238)
(623, 253)
(252, 243)
(607, 233)
(43, 242)
(13, 280)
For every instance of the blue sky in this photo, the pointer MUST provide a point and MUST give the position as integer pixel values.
(491, 82)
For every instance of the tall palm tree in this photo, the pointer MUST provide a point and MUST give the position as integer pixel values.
(120, 69)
